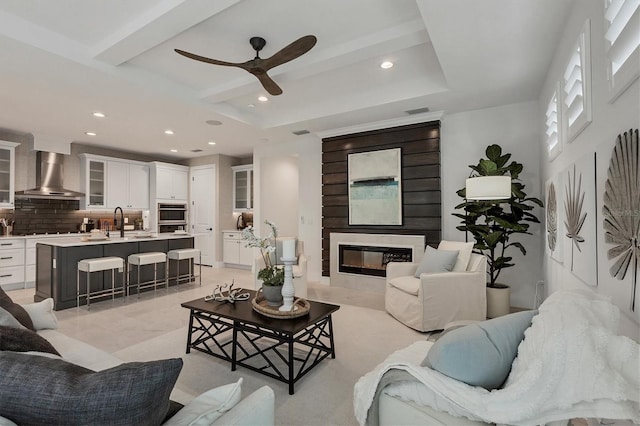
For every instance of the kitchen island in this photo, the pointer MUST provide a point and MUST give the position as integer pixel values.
(57, 262)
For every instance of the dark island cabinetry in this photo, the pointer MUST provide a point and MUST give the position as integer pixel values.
(56, 266)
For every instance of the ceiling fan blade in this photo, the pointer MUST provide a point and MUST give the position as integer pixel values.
(290, 52)
(208, 60)
(269, 85)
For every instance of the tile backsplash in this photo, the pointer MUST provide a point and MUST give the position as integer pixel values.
(40, 216)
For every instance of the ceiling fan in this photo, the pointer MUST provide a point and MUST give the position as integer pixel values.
(258, 66)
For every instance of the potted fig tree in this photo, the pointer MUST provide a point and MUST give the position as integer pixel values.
(494, 223)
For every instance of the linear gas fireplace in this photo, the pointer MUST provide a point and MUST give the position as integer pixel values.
(359, 261)
(370, 260)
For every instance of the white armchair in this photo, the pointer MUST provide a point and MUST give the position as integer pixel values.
(299, 269)
(436, 299)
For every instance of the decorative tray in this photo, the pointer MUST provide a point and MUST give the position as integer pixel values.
(95, 238)
(300, 307)
(143, 236)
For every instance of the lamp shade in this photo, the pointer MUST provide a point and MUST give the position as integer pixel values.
(488, 188)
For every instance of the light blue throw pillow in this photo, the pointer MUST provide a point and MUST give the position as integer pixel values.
(437, 261)
(480, 354)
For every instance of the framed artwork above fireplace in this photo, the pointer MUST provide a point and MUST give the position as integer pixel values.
(375, 188)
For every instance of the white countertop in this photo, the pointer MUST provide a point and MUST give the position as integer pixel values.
(74, 240)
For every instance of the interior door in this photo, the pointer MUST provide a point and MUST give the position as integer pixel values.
(203, 197)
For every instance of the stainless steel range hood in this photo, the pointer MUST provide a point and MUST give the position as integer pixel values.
(49, 179)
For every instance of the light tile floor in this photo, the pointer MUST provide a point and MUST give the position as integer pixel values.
(115, 325)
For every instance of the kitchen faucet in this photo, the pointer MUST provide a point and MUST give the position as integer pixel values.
(115, 221)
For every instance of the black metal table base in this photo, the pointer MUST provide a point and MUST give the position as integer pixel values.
(283, 356)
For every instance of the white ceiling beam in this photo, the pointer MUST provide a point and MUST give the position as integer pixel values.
(164, 21)
(34, 35)
(333, 57)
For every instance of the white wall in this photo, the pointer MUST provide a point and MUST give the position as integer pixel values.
(307, 150)
(464, 139)
(279, 184)
(609, 120)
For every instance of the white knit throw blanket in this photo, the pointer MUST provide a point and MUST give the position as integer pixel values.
(570, 364)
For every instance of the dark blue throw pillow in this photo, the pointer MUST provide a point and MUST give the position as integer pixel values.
(37, 390)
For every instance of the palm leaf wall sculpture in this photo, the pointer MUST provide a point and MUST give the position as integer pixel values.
(573, 210)
(622, 209)
(552, 217)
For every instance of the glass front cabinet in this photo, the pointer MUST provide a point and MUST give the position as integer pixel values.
(94, 180)
(7, 173)
(243, 187)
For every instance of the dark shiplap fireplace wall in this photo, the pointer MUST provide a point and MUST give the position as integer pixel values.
(420, 147)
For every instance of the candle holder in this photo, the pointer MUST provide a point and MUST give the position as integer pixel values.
(288, 291)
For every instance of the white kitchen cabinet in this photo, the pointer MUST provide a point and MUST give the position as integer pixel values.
(234, 251)
(127, 185)
(169, 182)
(7, 173)
(93, 178)
(12, 263)
(242, 187)
(114, 182)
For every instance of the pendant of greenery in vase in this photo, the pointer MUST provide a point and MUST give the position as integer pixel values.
(272, 275)
(272, 282)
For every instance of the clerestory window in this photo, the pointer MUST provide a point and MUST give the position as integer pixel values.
(622, 44)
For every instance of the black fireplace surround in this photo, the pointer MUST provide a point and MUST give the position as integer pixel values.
(370, 260)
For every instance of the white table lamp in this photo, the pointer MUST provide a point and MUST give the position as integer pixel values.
(488, 188)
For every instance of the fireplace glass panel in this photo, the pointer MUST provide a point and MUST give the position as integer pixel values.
(370, 260)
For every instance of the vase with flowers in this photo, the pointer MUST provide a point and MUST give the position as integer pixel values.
(272, 275)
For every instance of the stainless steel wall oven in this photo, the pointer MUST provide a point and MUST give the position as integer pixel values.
(172, 217)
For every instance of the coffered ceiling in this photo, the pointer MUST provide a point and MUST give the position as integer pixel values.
(63, 60)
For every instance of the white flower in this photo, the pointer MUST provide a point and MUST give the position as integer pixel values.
(264, 244)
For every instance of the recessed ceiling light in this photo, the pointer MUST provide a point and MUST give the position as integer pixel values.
(212, 143)
(168, 132)
(90, 133)
(99, 114)
(251, 106)
(213, 122)
(386, 65)
(173, 150)
(263, 98)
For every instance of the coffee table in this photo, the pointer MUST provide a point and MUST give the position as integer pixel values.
(284, 349)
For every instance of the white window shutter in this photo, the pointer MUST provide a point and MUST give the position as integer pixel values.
(622, 43)
(576, 86)
(552, 125)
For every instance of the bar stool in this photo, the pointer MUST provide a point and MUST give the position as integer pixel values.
(95, 265)
(183, 254)
(141, 259)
